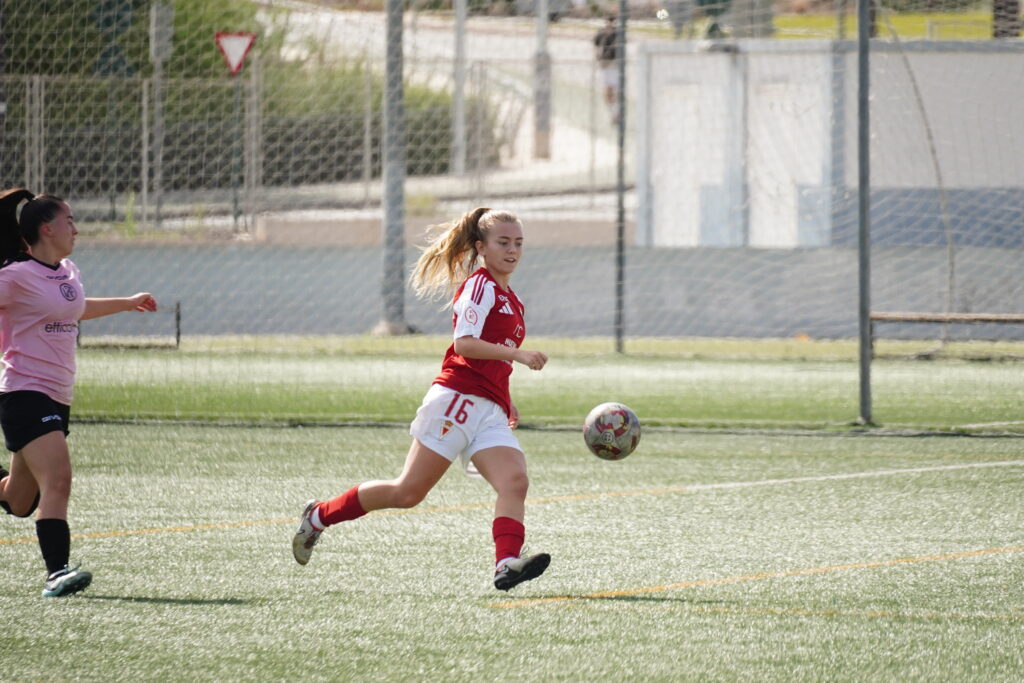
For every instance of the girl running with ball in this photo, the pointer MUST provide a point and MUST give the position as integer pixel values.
(467, 413)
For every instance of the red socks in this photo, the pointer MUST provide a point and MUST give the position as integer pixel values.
(341, 509)
(508, 538)
(509, 533)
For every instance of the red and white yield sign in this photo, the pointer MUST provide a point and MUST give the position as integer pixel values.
(234, 47)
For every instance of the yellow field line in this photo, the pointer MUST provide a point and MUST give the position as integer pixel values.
(692, 488)
(530, 602)
(156, 530)
(235, 525)
(864, 614)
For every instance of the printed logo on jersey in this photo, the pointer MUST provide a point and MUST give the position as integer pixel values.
(519, 331)
(51, 418)
(68, 292)
(506, 306)
(512, 345)
(61, 328)
(446, 427)
(471, 316)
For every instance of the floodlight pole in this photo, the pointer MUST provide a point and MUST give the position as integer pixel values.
(864, 206)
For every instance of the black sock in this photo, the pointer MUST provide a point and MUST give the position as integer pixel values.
(3, 503)
(55, 542)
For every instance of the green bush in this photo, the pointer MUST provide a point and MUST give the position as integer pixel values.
(94, 55)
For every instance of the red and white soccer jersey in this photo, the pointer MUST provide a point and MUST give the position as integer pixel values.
(40, 306)
(484, 310)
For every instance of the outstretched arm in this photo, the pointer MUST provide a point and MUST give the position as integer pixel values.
(97, 308)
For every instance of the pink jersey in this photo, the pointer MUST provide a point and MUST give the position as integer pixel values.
(484, 310)
(40, 306)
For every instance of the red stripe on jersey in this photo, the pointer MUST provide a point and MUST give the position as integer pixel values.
(478, 289)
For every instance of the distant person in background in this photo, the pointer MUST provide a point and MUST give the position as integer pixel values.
(467, 414)
(680, 13)
(41, 302)
(606, 51)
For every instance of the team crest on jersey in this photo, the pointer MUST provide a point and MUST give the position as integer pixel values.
(68, 292)
(519, 332)
(446, 427)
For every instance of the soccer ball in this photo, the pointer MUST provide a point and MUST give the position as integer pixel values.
(611, 431)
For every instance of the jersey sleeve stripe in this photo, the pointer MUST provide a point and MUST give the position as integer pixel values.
(478, 289)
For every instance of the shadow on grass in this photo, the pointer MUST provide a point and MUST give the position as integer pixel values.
(645, 598)
(166, 601)
(638, 599)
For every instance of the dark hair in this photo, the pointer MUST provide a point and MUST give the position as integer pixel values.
(11, 243)
(19, 233)
(40, 209)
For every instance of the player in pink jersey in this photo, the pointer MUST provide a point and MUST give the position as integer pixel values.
(41, 302)
(467, 413)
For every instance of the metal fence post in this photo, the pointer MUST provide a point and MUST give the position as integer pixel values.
(459, 94)
(864, 27)
(144, 147)
(367, 129)
(35, 133)
(393, 232)
(253, 158)
(542, 87)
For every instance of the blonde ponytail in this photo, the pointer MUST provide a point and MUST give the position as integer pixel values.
(451, 256)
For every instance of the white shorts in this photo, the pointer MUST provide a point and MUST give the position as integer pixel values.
(459, 425)
(610, 76)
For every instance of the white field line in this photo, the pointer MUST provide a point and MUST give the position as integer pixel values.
(562, 599)
(789, 480)
(721, 581)
(552, 499)
(983, 425)
(855, 475)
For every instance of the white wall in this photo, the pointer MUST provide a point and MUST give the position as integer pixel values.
(751, 146)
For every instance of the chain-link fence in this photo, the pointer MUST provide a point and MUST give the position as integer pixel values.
(739, 171)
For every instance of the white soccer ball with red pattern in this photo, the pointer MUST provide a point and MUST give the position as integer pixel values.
(611, 431)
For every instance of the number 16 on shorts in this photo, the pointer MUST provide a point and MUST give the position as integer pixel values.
(457, 409)
(455, 424)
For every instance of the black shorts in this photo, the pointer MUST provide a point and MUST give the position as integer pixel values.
(27, 415)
